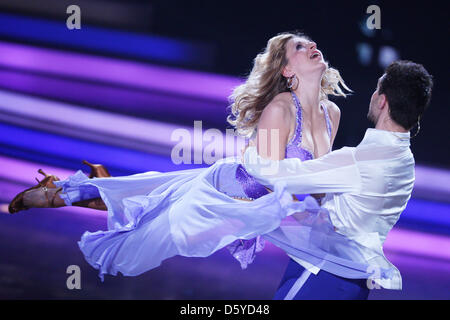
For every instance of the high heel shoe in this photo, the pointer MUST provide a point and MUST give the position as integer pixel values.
(97, 170)
(17, 204)
(50, 177)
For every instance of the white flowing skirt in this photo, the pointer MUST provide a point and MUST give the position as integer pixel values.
(153, 216)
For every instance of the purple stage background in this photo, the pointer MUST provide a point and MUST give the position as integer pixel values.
(115, 91)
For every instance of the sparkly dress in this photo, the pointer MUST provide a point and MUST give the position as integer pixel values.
(245, 251)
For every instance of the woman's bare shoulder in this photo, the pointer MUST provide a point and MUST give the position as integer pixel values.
(335, 115)
(281, 101)
(283, 97)
(332, 108)
(278, 110)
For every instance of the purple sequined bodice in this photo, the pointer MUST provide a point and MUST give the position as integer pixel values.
(245, 250)
(254, 189)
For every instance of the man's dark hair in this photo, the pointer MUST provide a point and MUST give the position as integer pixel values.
(407, 86)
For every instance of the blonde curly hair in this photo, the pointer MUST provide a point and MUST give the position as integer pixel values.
(265, 81)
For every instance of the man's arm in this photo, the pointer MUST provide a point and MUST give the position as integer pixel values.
(335, 172)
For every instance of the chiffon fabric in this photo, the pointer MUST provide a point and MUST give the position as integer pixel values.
(153, 216)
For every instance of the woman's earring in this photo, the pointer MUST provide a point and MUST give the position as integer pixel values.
(290, 82)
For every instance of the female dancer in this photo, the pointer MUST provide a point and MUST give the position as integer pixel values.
(153, 216)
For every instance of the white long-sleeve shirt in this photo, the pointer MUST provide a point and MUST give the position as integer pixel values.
(367, 187)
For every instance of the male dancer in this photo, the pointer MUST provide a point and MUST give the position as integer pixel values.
(368, 187)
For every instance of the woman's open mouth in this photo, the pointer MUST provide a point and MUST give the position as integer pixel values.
(315, 55)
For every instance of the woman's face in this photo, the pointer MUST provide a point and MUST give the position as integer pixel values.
(303, 58)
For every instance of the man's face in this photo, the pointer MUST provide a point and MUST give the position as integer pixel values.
(374, 111)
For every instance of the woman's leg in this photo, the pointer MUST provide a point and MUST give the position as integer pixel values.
(47, 195)
(96, 203)
(50, 198)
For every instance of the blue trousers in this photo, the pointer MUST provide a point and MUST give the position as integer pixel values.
(300, 284)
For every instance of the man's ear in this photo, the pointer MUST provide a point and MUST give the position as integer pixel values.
(382, 101)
